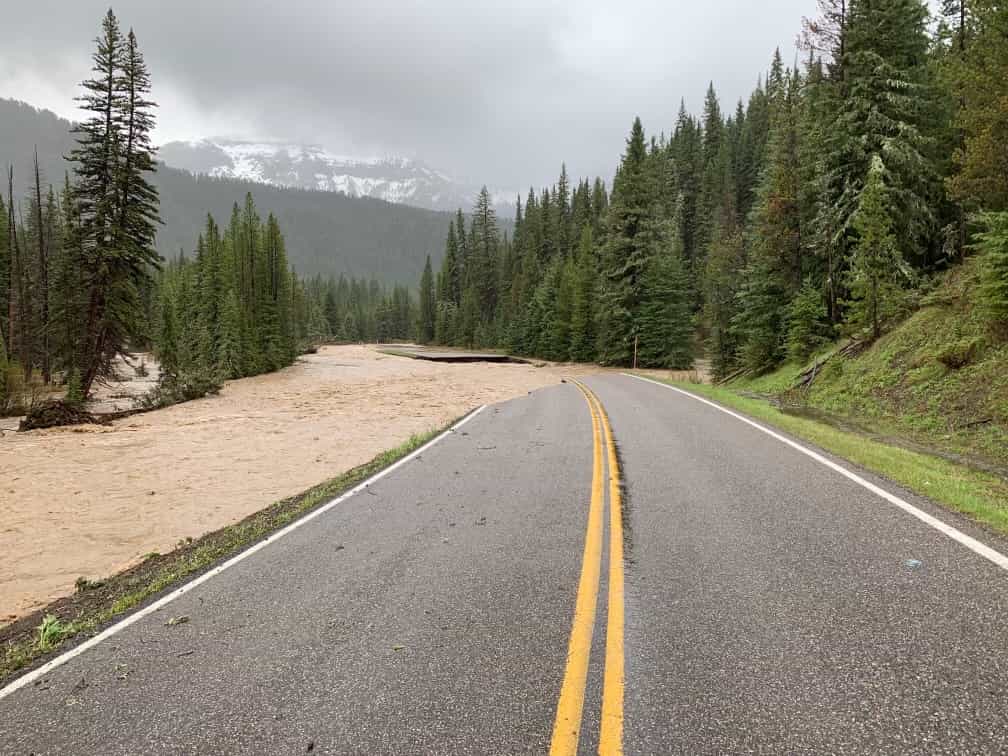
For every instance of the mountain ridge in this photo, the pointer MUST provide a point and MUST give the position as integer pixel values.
(312, 166)
(326, 232)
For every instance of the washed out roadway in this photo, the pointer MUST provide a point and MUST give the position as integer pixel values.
(771, 606)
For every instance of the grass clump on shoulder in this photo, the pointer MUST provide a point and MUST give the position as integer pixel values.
(95, 603)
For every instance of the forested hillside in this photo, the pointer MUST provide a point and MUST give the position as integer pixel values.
(327, 233)
(825, 205)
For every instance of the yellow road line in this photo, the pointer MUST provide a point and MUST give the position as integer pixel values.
(567, 725)
(611, 734)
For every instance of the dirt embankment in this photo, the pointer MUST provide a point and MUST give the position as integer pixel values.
(91, 500)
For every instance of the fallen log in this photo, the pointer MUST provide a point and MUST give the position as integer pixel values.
(805, 378)
(55, 414)
(730, 377)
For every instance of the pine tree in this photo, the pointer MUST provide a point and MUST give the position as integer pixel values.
(210, 292)
(808, 326)
(482, 256)
(451, 278)
(167, 346)
(137, 197)
(775, 262)
(759, 323)
(981, 81)
(462, 252)
(116, 204)
(883, 105)
(229, 358)
(713, 169)
(559, 324)
(876, 265)
(427, 304)
(68, 289)
(666, 321)
(582, 320)
(721, 279)
(687, 157)
(624, 255)
(19, 310)
(468, 318)
(993, 244)
(43, 246)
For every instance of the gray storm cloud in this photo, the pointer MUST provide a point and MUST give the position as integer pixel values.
(499, 93)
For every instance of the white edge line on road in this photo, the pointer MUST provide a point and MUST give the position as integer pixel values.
(957, 535)
(108, 632)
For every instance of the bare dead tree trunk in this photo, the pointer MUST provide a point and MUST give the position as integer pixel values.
(24, 312)
(18, 296)
(43, 261)
(962, 27)
(12, 303)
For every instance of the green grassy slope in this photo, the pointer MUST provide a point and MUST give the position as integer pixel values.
(939, 379)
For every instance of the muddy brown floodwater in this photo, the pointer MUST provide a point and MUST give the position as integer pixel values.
(90, 501)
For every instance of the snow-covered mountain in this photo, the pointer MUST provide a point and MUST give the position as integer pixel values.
(393, 179)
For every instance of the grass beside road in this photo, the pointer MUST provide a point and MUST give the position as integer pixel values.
(28, 641)
(979, 495)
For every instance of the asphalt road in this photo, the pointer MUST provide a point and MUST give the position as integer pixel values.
(771, 605)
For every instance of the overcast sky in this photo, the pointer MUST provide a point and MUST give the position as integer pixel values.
(494, 92)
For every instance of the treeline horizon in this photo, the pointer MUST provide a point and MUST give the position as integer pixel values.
(824, 206)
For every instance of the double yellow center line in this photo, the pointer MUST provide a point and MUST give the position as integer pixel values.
(567, 726)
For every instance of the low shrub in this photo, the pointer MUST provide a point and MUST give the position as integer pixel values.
(74, 391)
(960, 353)
(175, 389)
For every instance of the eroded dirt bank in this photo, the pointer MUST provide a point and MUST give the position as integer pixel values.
(91, 500)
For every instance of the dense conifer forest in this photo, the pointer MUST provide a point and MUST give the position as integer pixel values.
(825, 205)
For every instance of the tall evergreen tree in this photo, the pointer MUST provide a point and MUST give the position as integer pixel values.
(483, 254)
(808, 325)
(666, 321)
(881, 106)
(625, 253)
(582, 320)
(993, 243)
(116, 204)
(427, 304)
(876, 266)
(980, 79)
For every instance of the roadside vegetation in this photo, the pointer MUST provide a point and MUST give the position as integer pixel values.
(98, 602)
(938, 378)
